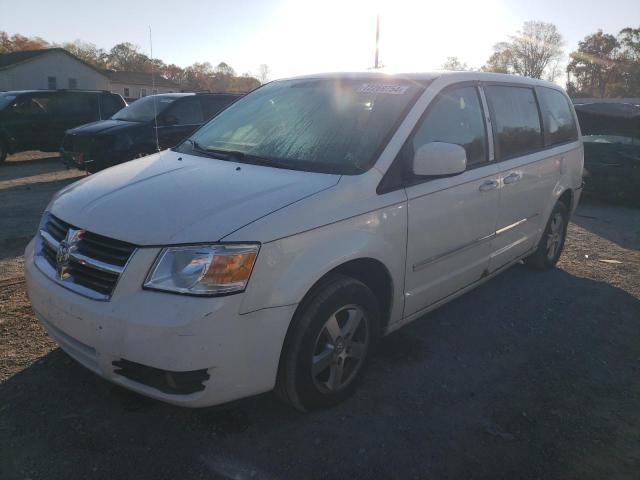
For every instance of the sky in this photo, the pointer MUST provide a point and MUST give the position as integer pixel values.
(301, 37)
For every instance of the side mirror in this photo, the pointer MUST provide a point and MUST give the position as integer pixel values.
(169, 120)
(439, 159)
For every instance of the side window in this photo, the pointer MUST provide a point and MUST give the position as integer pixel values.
(30, 106)
(52, 83)
(126, 92)
(516, 122)
(110, 105)
(187, 112)
(213, 104)
(559, 124)
(74, 104)
(455, 117)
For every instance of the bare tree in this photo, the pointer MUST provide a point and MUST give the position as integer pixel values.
(454, 64)
(263, 73)
(530, 52)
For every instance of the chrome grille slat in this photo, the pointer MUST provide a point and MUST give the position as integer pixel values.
(95, 261)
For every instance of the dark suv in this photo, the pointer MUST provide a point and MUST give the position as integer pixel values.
(147, 125)
(38, 119)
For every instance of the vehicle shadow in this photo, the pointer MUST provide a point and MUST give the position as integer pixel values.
(610, 222)
(532, 375)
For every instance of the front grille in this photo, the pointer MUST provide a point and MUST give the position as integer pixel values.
(86, 144)
(94, 262)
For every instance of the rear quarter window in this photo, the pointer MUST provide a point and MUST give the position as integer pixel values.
(516, 122)
(558, 120)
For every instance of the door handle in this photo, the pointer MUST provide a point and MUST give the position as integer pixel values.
(488, 185)
(511, 178)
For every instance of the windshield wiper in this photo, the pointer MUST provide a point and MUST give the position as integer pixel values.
(238, 156)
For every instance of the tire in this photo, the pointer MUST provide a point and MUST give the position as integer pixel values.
(3, 151)
(552, 241)
(326, 348)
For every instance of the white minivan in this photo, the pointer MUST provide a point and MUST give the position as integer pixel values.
(273, 247)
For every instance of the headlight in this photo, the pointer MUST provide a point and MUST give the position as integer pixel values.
(203, 269)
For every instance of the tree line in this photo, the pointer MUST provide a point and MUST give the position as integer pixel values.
(128, 57)
(603, 65)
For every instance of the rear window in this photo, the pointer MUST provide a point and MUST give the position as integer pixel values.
(516, 122)
(559, 124)
(111, 104)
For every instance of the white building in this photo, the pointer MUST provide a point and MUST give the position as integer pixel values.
(55, 68)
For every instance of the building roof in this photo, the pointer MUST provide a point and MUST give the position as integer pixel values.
(8, 60)
(12, 58)
(139, 78)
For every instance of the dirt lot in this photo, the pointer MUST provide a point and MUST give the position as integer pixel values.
(532, 375)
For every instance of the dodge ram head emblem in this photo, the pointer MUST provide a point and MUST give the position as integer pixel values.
(65, 249)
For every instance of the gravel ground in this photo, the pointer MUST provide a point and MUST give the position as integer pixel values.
(532, 375)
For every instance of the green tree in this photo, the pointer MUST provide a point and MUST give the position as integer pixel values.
(127, 56)
(88, 52)
(595, 66)
(629, 40)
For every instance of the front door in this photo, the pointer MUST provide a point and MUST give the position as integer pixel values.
(451, 221)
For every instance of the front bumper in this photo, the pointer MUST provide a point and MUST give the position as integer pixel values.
(176, 333)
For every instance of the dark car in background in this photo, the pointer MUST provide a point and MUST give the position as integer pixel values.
(38, 119)
(611, 136)
(147, 125)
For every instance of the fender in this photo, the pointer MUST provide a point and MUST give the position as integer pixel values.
(287, 268)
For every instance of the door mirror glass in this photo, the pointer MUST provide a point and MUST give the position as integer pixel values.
(439, 159)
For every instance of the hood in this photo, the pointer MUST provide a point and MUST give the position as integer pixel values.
(172, 198)
(103, 126)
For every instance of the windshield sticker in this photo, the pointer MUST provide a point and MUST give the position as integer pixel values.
(383, 88)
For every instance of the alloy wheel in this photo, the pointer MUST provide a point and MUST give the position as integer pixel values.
(340, 349)
(555, 235)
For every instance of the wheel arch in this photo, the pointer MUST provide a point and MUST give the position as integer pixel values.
(371, 272)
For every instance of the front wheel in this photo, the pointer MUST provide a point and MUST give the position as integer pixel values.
(331, 338)
(552, 242)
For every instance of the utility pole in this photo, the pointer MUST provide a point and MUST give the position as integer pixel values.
(377, 38)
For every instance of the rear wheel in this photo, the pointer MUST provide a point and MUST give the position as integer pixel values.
(552, 241)
(331, 338)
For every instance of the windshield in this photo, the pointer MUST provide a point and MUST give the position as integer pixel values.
(143, 110)
(6, 99)
(323, 125)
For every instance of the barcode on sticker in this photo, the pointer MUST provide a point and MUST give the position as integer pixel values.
(383, 88)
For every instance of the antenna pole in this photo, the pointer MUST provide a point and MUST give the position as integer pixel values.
(153, 87)
(377, 39)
